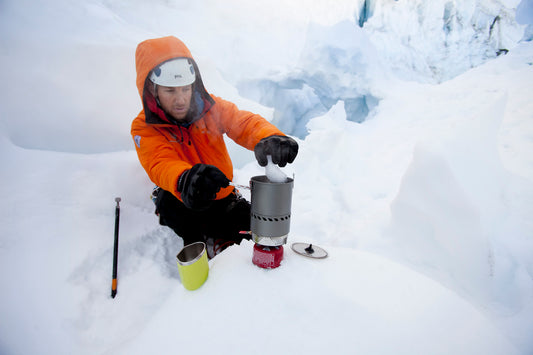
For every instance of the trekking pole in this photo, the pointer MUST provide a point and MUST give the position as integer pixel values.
(115, 250)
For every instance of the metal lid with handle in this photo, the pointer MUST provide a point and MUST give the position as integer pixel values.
(309, 250)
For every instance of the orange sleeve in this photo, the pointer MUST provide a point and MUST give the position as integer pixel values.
(157, 156)
(244, 127)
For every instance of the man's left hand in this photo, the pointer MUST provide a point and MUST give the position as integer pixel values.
(283, 150)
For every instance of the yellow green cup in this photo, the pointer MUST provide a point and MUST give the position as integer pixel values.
(193, 266)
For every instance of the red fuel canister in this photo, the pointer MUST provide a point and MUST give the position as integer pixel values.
(267, 257)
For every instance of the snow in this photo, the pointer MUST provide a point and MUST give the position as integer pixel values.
(524, 14)
(273, 172)
(318, 303)
(415, 173)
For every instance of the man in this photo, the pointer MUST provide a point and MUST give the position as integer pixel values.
(179, 140)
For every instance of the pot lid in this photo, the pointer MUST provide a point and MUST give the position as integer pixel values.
(309, 250)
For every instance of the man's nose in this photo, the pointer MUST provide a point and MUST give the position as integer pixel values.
(180, 98)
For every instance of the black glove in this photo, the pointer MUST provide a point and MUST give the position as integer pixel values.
(283, 150)
(200, 184)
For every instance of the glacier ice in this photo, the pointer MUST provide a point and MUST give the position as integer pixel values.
(337, 64)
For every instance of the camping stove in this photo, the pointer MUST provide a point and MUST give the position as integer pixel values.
(270, 219)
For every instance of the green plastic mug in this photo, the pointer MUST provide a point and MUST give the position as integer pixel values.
(193, 266)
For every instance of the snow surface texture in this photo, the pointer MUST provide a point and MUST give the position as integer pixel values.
(415, 173)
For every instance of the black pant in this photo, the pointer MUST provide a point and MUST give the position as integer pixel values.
(224, 219)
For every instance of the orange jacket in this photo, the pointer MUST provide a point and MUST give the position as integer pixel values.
(167, 149)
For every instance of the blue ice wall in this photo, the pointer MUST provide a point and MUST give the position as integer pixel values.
(366, 12)
(337, 64)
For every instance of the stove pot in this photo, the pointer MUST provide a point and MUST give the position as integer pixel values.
(271, 210)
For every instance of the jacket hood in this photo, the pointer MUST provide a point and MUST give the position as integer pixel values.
(151, 53)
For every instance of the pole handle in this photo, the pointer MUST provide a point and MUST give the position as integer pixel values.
(114, 282)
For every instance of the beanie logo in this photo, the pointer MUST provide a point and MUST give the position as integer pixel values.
(137, 140)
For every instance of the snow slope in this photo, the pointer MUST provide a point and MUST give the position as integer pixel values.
(352, 301)
(424, 206)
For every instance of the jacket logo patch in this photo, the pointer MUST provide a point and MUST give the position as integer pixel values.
(137, 140)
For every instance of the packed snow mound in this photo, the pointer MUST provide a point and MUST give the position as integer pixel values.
(353, 299)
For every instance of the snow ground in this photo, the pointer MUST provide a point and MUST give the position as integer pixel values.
(425, 207)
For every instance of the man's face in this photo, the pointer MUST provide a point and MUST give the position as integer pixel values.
(176, 101)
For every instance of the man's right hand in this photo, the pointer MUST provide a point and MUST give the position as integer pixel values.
(200, 184)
